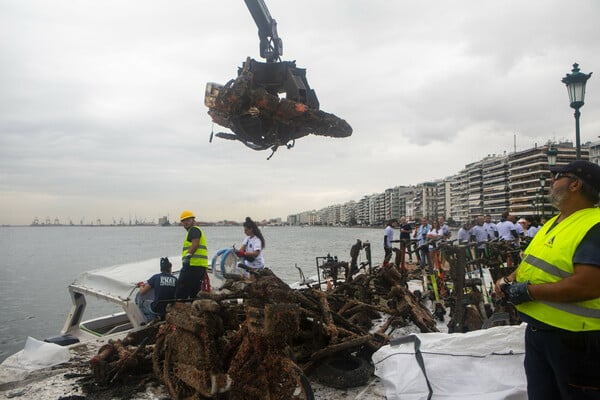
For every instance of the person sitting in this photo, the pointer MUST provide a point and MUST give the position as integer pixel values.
(252, 247)
(164, 289)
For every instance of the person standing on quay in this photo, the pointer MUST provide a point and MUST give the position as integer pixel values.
(490, 227)
(194, 258)
(388, 238)
(507, 231)
(464, 233)
(506, 228)
(421, 234)
(405, 231)
(444, 227)
(533, 228)
(481, 237)
(556, 290)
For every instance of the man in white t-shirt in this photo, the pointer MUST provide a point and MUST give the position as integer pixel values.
(388, 238)
(490, 227)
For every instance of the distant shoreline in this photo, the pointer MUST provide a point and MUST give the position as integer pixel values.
(216, 224)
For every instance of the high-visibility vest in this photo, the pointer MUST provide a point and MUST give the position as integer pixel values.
(200, 256)
(549, 259)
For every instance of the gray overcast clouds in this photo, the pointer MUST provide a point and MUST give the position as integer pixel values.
(102, 112)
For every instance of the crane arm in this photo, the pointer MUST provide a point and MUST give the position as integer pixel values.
(271, 46)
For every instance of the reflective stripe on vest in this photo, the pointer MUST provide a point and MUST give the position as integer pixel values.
(553, 261)
(200, 256)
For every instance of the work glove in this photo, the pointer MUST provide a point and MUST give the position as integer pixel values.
(516, 293)
(185, 261)
(240, 253)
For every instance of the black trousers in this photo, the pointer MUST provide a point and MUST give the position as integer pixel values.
(189, 282)
(562, 365)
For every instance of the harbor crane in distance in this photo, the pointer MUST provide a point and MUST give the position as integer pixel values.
(269, 104)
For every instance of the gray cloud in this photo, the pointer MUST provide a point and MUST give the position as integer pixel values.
(102, 114)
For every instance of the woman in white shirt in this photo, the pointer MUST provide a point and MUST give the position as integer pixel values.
(435, 232)
(252, 246)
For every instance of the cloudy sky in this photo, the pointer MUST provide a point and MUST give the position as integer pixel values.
(102, 112)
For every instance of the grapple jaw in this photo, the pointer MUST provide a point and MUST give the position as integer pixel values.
(269, 105)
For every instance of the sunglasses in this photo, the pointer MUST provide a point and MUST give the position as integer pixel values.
(559, 175)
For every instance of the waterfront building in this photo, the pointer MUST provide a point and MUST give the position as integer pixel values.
(377, 209)
(529, 175)
(331, 215)
(459, 210)
(594, 152)
(495, 188)
(406, 202)
(425, 200)
(474, 188)
(518, 182)
(390, 204)
(363, 211)
(444, 198)
(348, 213)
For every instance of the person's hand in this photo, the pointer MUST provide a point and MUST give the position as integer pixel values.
(140, 284)
(185, 261)
(498, 286)
(516, 293)
(240, 253)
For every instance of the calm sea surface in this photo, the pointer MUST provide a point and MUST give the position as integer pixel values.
(38, 263)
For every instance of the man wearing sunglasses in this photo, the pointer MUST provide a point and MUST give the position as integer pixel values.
(556, 290)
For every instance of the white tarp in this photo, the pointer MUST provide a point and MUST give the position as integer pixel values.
(36, 355)
(484, 364)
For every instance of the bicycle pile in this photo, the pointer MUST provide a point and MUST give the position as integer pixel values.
(223, 348)
(260, 339)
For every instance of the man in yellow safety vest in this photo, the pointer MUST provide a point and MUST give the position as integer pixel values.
(194, 258)
(556, 289)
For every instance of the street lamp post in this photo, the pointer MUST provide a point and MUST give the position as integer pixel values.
(575, 82)
(552, 154)
(543, 192)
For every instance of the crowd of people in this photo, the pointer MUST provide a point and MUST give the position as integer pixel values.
(555, 286)
(477, 232)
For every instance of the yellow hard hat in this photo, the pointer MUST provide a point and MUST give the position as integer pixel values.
(185, 214)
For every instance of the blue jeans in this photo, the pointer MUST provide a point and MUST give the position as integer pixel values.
(146, 308)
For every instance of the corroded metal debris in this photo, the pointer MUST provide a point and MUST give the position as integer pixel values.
(264, 346)
(259, 339)
(250, 106)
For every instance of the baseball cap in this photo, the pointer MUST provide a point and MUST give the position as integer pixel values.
(587, 171)
(522, 220)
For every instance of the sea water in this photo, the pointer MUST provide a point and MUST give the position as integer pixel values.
(38, 263)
